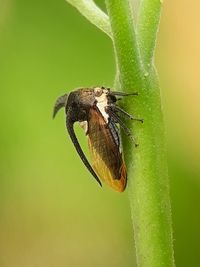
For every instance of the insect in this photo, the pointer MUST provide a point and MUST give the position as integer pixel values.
(97, 112)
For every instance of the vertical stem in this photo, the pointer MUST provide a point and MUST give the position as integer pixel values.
(147, 28)
(123, 28)
(147, 168)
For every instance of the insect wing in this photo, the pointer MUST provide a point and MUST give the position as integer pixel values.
(105, 151)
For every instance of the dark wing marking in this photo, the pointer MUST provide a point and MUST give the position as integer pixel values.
(70, 128)
(115, 131)
(60, 103)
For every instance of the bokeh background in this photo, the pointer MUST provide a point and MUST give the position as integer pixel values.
(52, 213)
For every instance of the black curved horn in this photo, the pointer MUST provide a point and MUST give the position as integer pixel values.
(60, 103)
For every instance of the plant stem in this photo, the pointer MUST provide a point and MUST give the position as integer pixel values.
(93, 13)
(147, 168)
(147, 28)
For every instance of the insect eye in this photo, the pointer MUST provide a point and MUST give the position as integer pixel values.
(98, 91)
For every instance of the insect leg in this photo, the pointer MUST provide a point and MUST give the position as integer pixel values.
(122, 93)
(126, 114)
(123, 126)
(79, 150)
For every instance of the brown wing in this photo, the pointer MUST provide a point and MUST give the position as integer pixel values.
(104, 149)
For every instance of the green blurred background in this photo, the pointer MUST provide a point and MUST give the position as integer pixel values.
(52, 212)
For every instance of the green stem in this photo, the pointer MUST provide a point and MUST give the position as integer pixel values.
(147, 168)
(147, 27)
(123, 28)
(93, 13)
